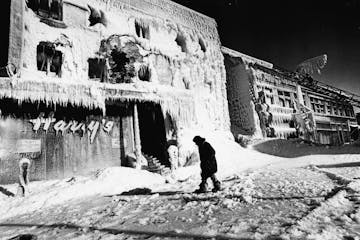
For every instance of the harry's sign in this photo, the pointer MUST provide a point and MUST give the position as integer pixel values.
(73, 126)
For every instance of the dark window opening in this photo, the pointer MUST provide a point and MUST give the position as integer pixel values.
(47, 8)
(48, 58)
(142, 30)
(97, 69)
(121, 70)
(202, 45)
(282, 102)
(335, 110)
(144, 73)
(181, 41)
(186, 83)
(4, 47)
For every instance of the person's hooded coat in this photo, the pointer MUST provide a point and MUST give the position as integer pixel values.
(208, 162)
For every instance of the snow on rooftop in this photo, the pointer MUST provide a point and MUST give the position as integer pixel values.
(246, 58)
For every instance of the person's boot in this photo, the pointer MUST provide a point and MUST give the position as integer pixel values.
(202, 188)
(217, 186)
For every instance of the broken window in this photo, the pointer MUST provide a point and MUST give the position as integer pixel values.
(144, 73)
(121, 70)
(142, 30)
(328, 108)
(47, 8)
(282, 102)
(181, 42)
(347, 112)
(48, 58)
(284, 98)
(97, 69)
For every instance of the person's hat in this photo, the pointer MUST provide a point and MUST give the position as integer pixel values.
(198, 139)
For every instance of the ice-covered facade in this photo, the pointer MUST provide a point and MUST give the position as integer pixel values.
(92, 83)
(267, 101)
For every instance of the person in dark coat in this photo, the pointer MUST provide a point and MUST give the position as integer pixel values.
(208, 164)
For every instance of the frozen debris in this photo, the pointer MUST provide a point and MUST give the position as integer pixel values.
(85, 229)
(170, 179)
(176, 231)
(239, 228)
(337, 205)
(143, 221)
(247, 199)
(71, 180)
(158, 220)
(228, 203)
(354, 186)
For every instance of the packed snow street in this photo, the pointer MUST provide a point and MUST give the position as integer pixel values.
(269, 201)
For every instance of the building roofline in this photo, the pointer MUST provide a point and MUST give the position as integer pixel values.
(191, 10)
(247, 58)
(315, 85)
(172, 3)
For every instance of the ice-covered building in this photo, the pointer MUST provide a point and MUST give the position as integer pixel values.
(93, 83)
(267, 101)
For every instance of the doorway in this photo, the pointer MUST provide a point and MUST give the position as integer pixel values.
(152, 131)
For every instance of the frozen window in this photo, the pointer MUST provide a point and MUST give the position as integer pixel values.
(142, 30)
(328, 108)
(48, 58)
(202, 45)
(121, 70)
(97, 69)
(144, 73)
(181, 42)
(347, 113)
(335, 110)
(47, 8)
(282, 102)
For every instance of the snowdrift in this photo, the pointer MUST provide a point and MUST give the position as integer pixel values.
(43, 194)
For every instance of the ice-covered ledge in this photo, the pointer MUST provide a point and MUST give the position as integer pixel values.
(91, 94)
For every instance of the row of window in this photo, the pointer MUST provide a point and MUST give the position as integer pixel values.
(53, 9)
(282, 98)
(118, 70)
(285, 99)
(331, 108)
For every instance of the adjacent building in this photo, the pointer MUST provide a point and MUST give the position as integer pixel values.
(267, 101)
(87, 84)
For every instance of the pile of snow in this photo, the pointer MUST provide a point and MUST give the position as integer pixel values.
(109, 181)
(231, 157)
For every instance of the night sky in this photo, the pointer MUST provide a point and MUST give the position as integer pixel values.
(287, 32)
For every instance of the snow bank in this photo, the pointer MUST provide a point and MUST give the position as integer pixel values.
(231, 157)
(43, 194)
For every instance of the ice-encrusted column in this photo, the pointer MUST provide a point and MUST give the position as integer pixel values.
(137, 137)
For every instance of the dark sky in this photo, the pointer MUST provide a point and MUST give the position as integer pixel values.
(287, 32)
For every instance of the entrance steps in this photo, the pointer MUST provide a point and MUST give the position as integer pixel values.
(155, 166)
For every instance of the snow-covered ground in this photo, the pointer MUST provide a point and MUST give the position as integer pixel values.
(270, 192)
